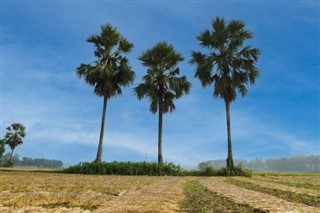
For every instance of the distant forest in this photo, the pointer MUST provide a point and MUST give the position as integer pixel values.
(298, 163)
(32, 162)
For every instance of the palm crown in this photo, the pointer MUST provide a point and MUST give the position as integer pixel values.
(160, 84)
(234, 64)
(111, 70)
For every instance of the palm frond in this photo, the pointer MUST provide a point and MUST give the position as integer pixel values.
(161, 84)
(228, 65)
(112, 70)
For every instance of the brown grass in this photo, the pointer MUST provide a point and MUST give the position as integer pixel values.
(36, 191)
(52, 190)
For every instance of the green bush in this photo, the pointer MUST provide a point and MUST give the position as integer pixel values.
(237, 171)
(210, 171)
(150, 168)
(125, 168)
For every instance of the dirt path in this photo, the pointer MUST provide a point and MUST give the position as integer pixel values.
(278, 186)
(253, 198)
(162, 196)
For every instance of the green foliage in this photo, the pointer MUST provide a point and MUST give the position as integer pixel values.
(13, 138)
(14, 135)
(237, 171)
(234, 63)
(207, 170)
(111, 70)
(161, 84)
(124, 168)
(199, 199)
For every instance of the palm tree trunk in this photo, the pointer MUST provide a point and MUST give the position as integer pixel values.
(99, 152)
(230, 158)
(160, 158)
(10, 163)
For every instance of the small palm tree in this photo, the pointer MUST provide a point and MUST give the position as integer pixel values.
(110, 71)
(229, 65)
(13, 138)
(161, 84)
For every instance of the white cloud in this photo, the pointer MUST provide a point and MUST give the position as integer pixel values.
(40, 90)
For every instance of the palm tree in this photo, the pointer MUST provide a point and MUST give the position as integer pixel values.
(229, 65)
(13, 138)
(110, 71)
(161, 84)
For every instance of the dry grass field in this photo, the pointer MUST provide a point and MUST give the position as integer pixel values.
(35, 191)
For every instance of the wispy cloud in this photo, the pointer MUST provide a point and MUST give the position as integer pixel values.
(41, 90)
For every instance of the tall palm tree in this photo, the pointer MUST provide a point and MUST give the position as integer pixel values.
(110, 71)
(229, 65)
(13, 138)
(161, 84)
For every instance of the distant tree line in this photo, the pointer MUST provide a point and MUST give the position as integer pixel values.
(32, 162)
(298, 163)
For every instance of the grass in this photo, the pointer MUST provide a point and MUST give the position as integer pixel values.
(21, 189)
(287, 174)
(125, 168)
(305, 185)
(200, 199)
(306, 199)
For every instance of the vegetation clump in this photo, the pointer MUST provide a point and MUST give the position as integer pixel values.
(125, 168)
(210, 171)
(149, 168)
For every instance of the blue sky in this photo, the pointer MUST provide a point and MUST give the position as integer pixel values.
(43, 42)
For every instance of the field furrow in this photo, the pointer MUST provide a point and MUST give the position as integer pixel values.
(298, 184)
(253, 198)
(308, 180)
(279, 186)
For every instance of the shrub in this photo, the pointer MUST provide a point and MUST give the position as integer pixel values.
(237, 171)
(125, 168)
(210, 171)
(151, 168)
